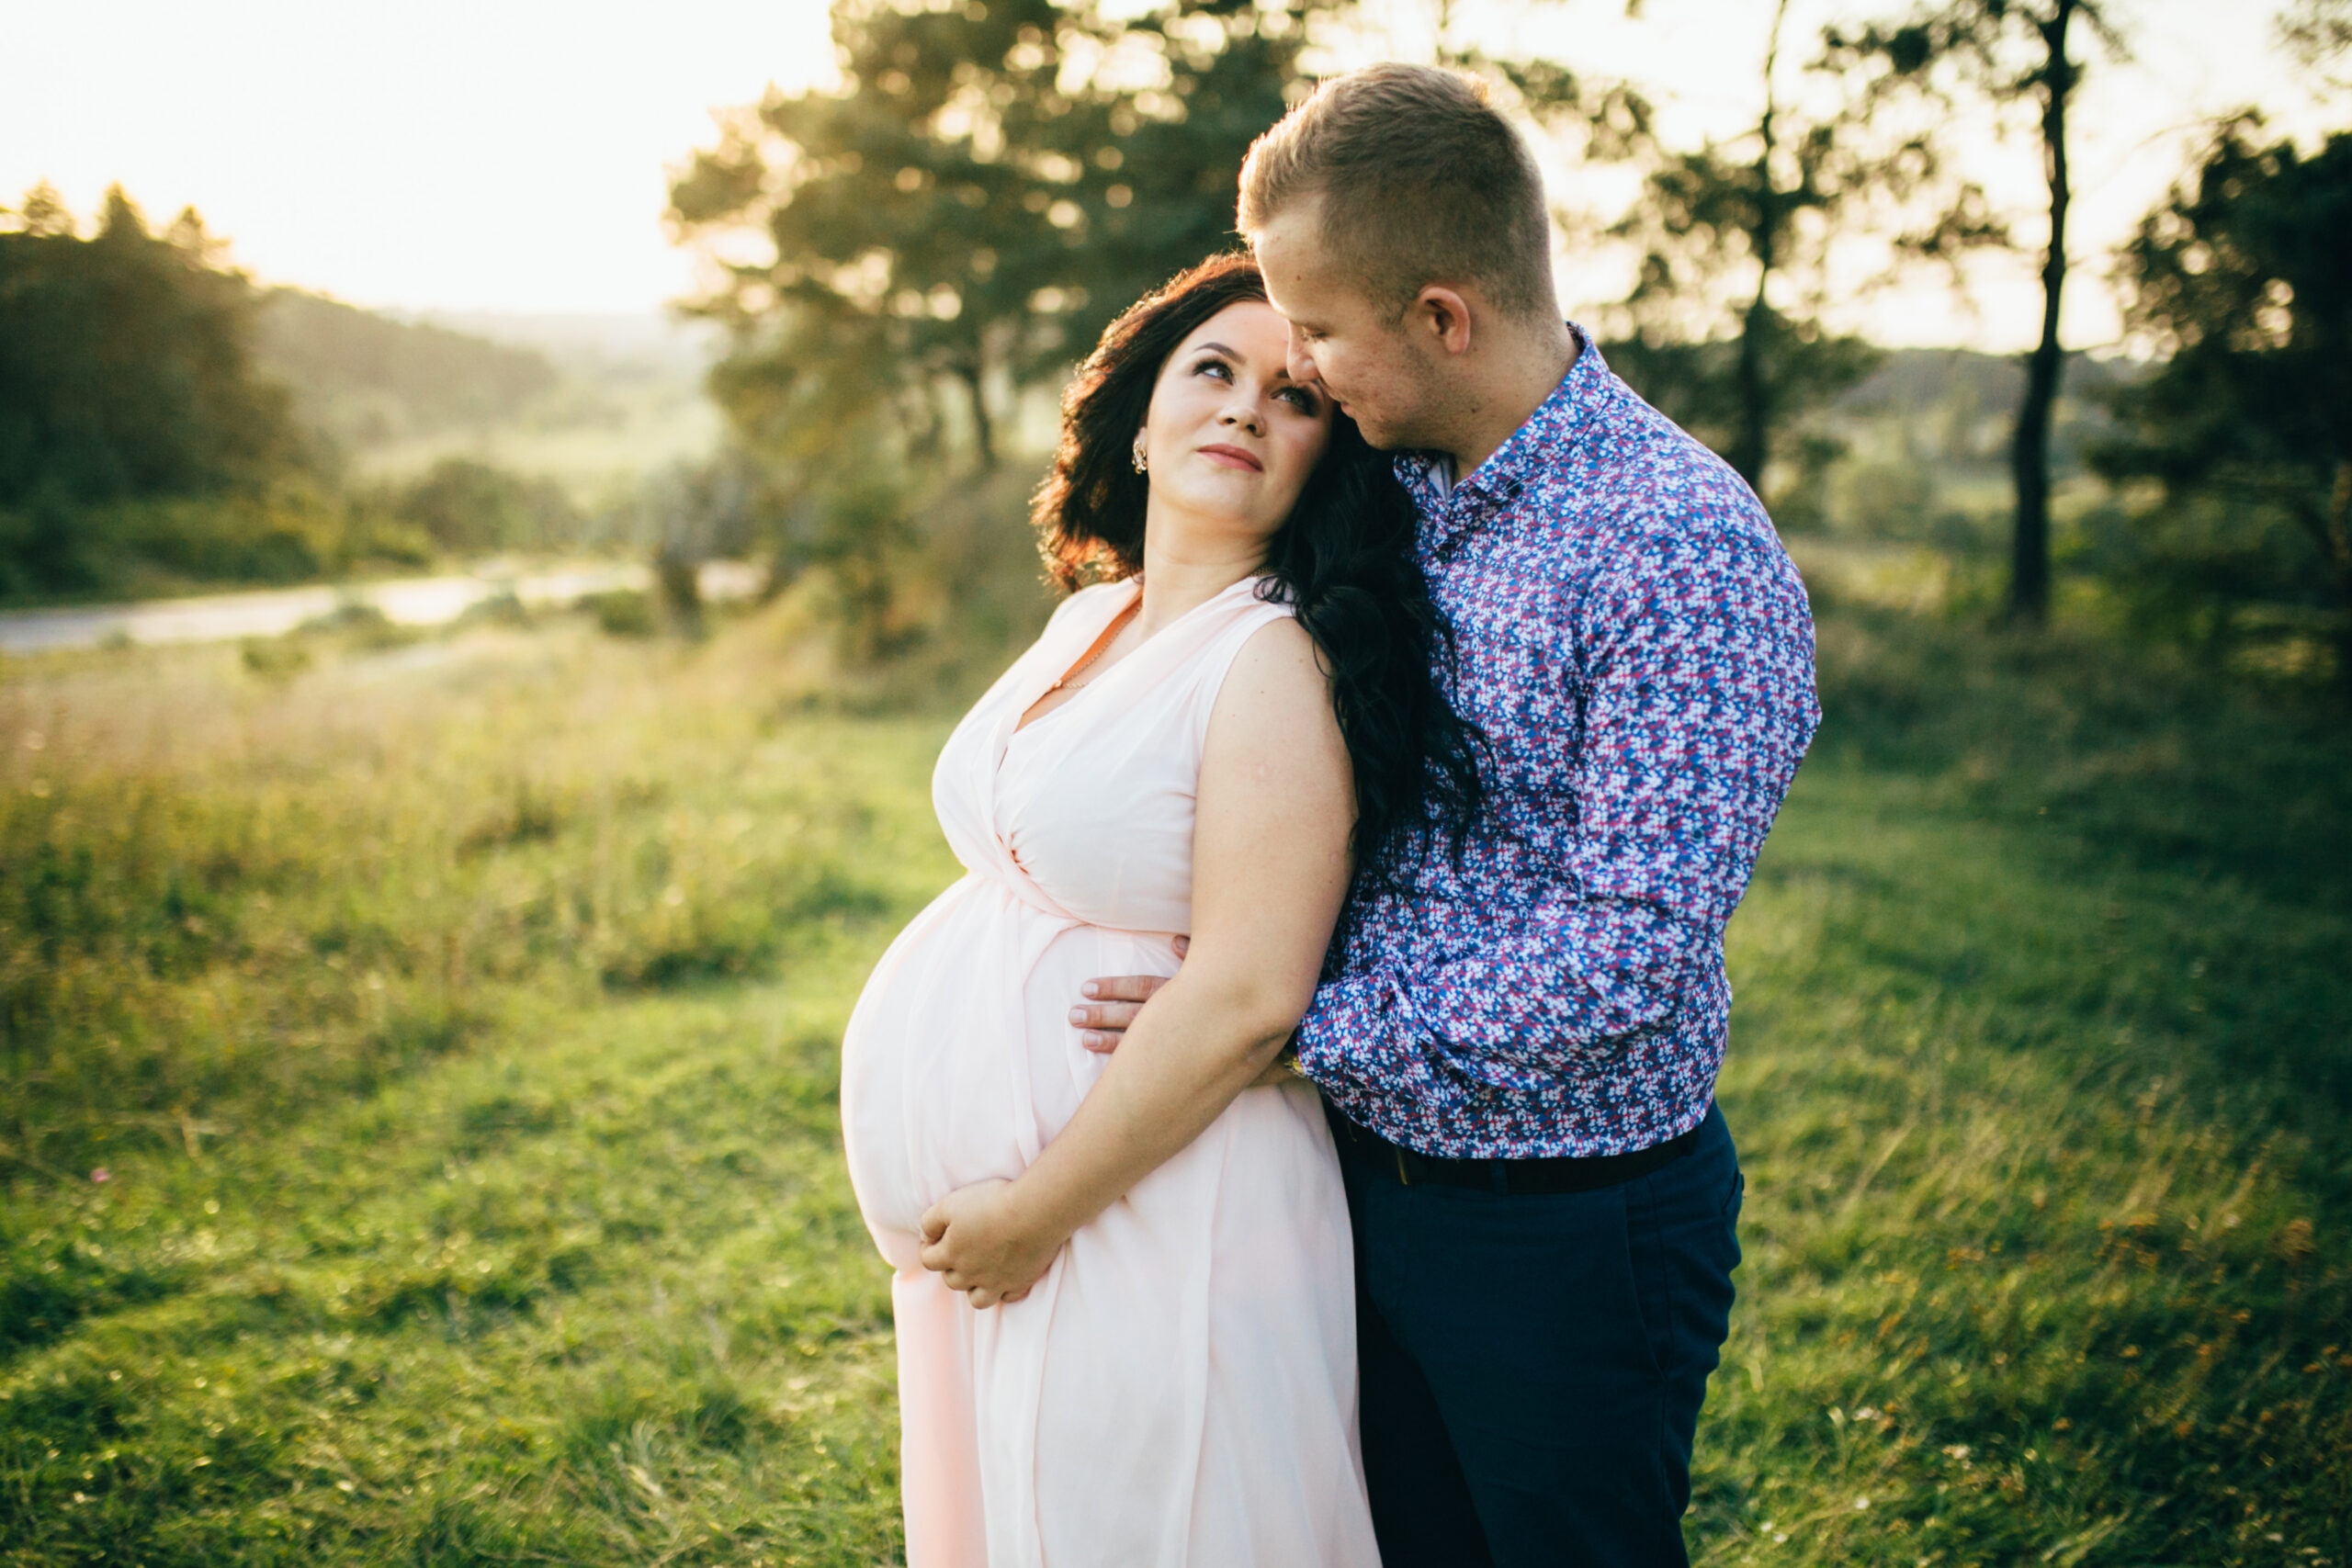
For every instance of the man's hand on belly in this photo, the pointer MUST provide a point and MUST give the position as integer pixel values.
(1112, 1002)
(977, 1240)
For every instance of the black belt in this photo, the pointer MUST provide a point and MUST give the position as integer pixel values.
(1528, 1174)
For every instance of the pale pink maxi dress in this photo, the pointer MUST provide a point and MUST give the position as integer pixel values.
(1180, 1389)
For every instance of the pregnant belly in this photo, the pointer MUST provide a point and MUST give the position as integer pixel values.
(960, 1062)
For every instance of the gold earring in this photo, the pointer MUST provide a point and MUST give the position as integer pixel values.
(1135, 453)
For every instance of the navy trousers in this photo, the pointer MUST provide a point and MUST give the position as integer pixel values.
(1533, 1365)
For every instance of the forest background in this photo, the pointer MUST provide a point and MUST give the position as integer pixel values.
(899, 271)
(417, 1091)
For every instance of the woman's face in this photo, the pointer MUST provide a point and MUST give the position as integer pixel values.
(1230, 438)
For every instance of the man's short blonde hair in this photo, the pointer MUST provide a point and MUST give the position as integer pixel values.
(1421, 181)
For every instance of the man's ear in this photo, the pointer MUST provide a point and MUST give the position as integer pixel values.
(1441, 316)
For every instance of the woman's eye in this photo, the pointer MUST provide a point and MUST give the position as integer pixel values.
(1300, 399)
(1219, 366)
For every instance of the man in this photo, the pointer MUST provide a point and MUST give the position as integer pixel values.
(1520, 1056)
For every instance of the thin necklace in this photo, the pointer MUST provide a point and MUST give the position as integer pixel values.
(1109, 635)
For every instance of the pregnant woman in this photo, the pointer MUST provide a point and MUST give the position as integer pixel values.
(1124, 1289)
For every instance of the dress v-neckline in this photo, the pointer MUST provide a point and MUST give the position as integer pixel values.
(1099, 645)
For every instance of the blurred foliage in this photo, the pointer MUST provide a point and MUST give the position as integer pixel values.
(692, 512)
(291, 530)
(1916, 452)
(2245, 426)
(927, 593)
(2317, 35)
(862, 538)
(2005, 52)
(622, 611)
(1762, 212)
(124, 363)
(991, 184)
(470, 508)
(907, 258)
(125, 378)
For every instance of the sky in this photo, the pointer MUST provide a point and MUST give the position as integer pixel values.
(442, 154)
(510, 155)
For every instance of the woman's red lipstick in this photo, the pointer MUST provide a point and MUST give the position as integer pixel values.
(1233, 457)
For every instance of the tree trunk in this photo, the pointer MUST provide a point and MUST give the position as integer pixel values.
(678, 577)
(983, 429)
(2030, 454)
(1751, 448)
(1752, 442)
(2338, 543)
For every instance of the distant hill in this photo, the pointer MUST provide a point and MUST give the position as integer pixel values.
(600, 343)
(1956, 405)
(592, 401)
(366, 379)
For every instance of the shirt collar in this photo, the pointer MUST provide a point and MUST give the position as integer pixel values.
(1449, 505)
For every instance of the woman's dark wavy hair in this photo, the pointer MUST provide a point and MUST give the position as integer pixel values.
(1344, 559)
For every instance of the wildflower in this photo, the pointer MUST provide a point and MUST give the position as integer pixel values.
(102, 1175)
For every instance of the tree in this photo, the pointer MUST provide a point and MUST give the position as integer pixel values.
(471, 508)
(2246, 428)
(2007, 52)
(1746, 228)
(988, 185)
(123, 361)
(124, 378)
(904, 259)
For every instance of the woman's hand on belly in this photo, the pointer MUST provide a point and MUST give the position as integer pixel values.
(981, 1243)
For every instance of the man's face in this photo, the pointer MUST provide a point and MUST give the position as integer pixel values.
(1361, 352)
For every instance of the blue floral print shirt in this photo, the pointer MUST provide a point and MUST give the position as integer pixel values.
(1637, 647)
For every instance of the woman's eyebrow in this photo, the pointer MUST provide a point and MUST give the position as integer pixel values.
(1282, 371)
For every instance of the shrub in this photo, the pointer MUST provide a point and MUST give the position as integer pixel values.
(622, 611)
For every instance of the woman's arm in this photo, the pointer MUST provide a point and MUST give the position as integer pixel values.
(1269, 867)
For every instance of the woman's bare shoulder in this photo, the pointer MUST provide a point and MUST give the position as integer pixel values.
(1276, 684)
(1275, 783)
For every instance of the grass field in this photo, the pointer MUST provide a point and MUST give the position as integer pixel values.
(417, 1111)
